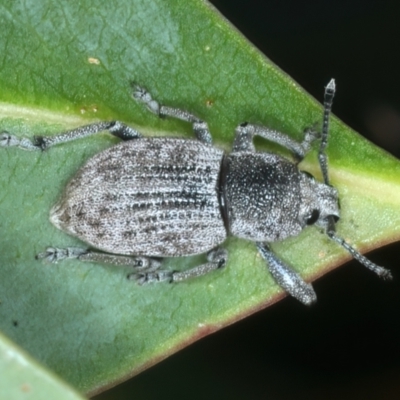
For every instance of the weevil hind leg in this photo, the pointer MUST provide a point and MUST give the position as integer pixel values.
(140, 264)
(116, 128)
(55, 254)
(145, 269)
(286, 278)
(200, 128)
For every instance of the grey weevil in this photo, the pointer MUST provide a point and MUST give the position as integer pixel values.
(149, 198)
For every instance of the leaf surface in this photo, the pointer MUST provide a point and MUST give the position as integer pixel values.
(65, 66)
(21, 377)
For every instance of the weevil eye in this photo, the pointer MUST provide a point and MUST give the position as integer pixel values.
(313, 218)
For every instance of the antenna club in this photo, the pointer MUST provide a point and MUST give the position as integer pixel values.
(331, 86)
(380, 271)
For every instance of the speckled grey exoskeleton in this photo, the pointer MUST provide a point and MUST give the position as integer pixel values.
(149, 198)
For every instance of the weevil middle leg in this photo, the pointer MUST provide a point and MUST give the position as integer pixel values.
(246, 132)
(200, 127)
(217, 259)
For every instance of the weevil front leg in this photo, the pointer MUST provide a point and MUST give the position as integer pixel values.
(116, 128)
(200, 128)
(245, 134)
(286, 278)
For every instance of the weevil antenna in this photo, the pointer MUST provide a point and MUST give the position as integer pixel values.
(323, 162)
(329, 94)
(328, 100)
(380, 271)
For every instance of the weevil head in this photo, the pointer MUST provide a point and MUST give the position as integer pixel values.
(320, 202)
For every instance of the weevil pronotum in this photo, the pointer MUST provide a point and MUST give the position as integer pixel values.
(148, 198)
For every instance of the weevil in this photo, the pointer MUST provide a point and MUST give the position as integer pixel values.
(145, 199)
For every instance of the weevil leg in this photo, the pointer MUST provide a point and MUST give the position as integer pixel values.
(217, 259)
(244, 135)
(116, 128)
(54, 254)
(146, 269)
(200, 128)
(286, 278)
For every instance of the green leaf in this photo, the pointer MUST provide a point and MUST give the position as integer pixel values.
(21, 377)
(68, 65)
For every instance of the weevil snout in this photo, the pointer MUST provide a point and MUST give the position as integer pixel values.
(320, 202)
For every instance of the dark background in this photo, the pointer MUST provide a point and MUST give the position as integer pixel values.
(347, 345)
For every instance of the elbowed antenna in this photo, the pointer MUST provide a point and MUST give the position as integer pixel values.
(329, 94)
(328, 100)
(380, 271)
(323, 162)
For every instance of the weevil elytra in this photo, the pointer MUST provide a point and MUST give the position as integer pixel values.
(148, 198)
